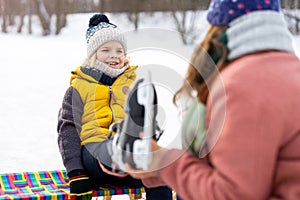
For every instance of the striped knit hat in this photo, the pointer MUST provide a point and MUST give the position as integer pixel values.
(222, 12)
(101, 31)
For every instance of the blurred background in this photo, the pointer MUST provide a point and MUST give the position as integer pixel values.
(19, 15)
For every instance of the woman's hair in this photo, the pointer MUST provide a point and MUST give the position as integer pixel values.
(209, 57)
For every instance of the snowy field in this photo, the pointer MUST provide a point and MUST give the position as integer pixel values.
(35, 75)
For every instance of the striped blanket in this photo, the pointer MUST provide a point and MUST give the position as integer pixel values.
(47, 185)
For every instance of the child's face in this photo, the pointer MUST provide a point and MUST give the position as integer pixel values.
(112, 54)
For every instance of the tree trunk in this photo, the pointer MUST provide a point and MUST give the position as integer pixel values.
(43, 16)
(29, 6)
(134, 18)
(60, 16)
(21, 23)
(4, 16)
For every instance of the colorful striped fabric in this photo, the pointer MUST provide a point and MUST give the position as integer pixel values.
(47, 185)
(113, 190)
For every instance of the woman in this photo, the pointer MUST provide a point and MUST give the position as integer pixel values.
(252, 110)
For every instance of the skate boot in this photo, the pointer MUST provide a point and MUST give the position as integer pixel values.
(128, 145)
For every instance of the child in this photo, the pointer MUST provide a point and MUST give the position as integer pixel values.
(91, 104)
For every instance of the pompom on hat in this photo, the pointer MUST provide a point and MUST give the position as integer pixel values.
(100, 31)
(222, 12)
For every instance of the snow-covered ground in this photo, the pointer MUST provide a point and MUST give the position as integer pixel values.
(35, 73)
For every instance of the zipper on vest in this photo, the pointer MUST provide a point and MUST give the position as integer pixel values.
(109, 105)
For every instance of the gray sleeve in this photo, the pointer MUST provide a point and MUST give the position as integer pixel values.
(68, 128)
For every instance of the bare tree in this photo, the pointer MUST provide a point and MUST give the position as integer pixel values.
(292, 15)
(30, 12)
(134, 18)
(101, 6)
(3, 16)
(24, 8)
(43, 16)
(185, 14)
(61, 15)
(134, 8)
(185, 21)
(7, 14)
(293, 20)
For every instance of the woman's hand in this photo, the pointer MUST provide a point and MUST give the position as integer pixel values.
(113, 172)
(154, 167)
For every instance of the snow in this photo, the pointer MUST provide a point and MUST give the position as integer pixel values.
(35, 75)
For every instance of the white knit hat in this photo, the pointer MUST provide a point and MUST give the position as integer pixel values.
(101, 31)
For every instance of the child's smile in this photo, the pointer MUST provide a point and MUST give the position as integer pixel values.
(112, 53)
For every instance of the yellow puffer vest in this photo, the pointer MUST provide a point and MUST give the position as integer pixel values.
(103, 104)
